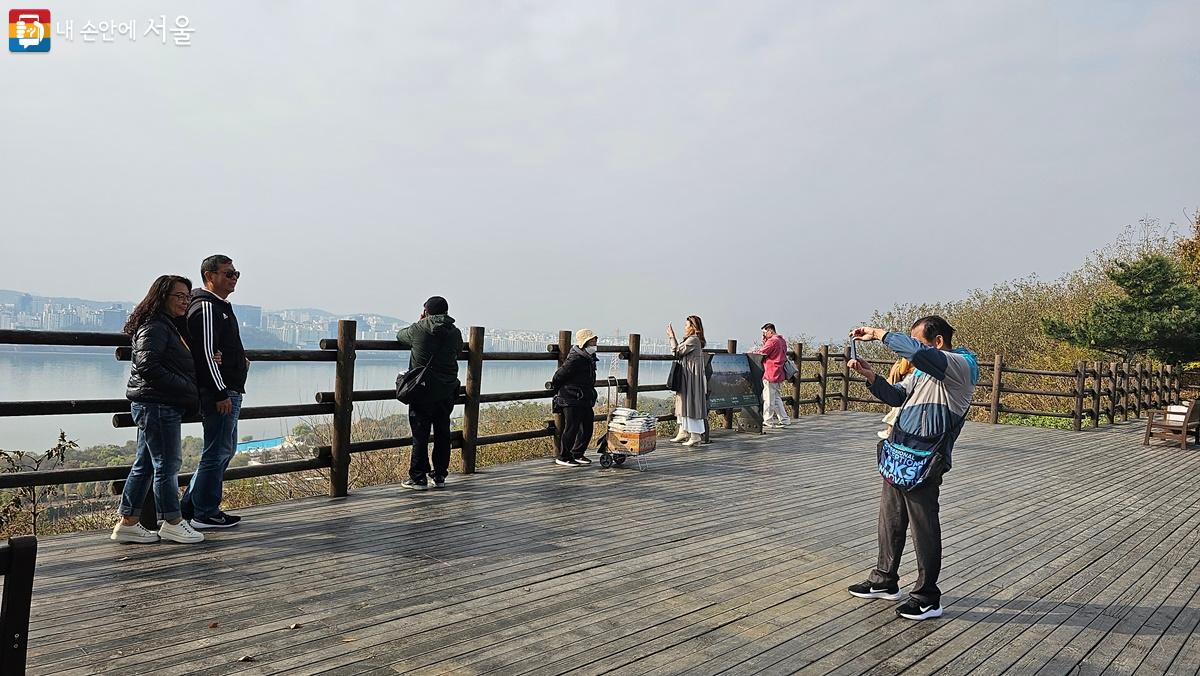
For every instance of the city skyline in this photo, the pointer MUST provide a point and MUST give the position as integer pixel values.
(297, 327)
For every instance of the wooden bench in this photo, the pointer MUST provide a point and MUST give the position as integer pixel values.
(1174, 425)
(17, 558)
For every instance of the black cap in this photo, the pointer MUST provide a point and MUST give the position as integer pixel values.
(437, 306)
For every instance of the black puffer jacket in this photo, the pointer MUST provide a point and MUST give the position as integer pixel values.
(163, 369)
(575, 381)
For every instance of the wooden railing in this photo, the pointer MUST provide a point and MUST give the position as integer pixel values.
(1094, 391)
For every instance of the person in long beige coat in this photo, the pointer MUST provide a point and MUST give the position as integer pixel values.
(691, 405)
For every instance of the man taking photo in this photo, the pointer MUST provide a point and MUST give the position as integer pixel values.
(934, 402)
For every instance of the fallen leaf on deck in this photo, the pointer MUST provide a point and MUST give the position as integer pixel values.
(348, 639)
(214, 625)
(295, 626)
(246, 658)
(123, 558)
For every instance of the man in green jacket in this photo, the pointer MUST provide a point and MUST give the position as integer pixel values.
(435, 342)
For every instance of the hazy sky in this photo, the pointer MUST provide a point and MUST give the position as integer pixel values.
(615, 165)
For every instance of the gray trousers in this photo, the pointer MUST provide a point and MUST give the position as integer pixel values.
(900, 511)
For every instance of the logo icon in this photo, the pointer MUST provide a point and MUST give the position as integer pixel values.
(28, 30)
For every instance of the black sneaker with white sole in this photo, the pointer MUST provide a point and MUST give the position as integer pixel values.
(915, 610)
(571, 462)
(415, 485)
(221, 520)
(866, 590)
(583, 460)
(437, 482)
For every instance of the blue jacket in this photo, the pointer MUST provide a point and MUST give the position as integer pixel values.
(935, 399)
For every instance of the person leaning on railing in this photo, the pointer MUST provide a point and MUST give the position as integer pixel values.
(691, 403)
(434, 342)
(774, 354)
(162, 387)
(574, 386)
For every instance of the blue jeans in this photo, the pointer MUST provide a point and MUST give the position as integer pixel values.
(159, 455)
(220, 443)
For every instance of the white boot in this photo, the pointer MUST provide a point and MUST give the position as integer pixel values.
(693, 440)
(681, 437)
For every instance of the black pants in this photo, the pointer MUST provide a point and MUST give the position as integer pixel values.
(421, 417)
(899, 511)
(577, 431)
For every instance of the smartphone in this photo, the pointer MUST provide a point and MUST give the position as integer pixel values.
(853, 348)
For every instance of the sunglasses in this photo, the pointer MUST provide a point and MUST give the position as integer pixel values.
(232, 274)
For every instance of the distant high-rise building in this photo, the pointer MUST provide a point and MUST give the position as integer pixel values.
(112, 319)
(249, 315)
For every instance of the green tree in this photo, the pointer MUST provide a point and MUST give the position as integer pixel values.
(1155, 312)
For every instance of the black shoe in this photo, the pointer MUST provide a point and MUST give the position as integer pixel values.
(415, 485)
(221, 520)
(439, 482)
(866, 590)
(570, 462)
(914, 610)
(583, 460)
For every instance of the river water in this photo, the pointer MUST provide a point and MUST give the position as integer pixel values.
(34, 376)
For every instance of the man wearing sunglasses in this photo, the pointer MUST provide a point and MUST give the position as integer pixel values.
(221, 368)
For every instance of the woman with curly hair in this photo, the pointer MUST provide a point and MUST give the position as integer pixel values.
(162, 389)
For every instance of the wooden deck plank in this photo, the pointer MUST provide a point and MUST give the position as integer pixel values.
(814, 621)
(731, 557)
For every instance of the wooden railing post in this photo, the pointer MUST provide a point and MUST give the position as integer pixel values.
(474, 384)
(846, 378)
(18, 595)
(343, 409)
(1152, 387)
(1140, 370)
(798, 360)
(1080, 385)
(633, 365)
(1122, 385)
(1160, 389)
(1096, 393)
(1111, 374)
(997, 370)
(731, 348)
(823, 377)
(564, 347)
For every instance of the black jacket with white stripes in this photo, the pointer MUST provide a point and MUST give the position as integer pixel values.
(213, 328)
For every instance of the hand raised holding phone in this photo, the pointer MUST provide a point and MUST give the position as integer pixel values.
(860, 366)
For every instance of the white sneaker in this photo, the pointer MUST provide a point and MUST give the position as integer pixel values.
(881, 434)
(181, 532)
(137, 533)
(680, 438)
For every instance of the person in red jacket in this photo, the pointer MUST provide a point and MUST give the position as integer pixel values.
(774, 354)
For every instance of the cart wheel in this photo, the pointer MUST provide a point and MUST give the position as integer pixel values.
(619, 460)
(606, 461)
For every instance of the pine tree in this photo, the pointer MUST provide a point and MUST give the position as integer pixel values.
(1157, 314)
